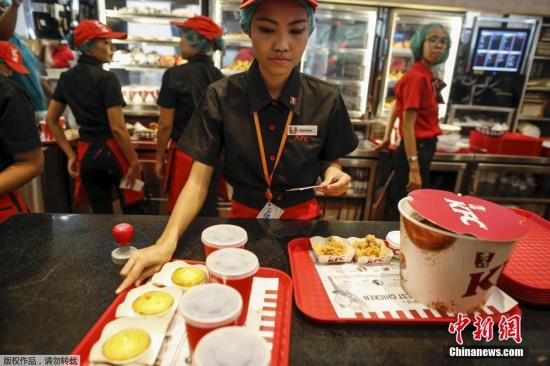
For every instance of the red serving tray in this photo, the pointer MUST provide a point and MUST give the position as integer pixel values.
(526, 276)
(283, 318)
(312, 300)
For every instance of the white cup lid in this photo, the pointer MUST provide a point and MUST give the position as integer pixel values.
(211, 305)
(231, 346)
(232, 263)
(394, 238)
(224, 236)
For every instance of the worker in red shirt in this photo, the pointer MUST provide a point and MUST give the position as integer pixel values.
(417, 96)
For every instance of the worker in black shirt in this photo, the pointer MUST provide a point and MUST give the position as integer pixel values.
(105, 154)
(21, 157)
(181, 90)
(279, 129)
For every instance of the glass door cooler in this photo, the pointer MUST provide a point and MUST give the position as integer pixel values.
(238, 55)
(340, 51)
(403, 25)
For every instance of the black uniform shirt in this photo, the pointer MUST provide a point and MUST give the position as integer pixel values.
(18, 131)
(183, 86)
(224, 119)
(90, 91)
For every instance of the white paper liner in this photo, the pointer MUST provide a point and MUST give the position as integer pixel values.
(374, 292)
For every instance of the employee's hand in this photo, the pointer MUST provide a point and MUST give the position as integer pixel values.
(336, 183)
(72, 166)
(415, 179)
(383, 145)
(134, 172)
(159, 169)
(143, 263)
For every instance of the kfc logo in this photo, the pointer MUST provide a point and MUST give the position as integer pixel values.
(102, 27)
(483, 259)
(467, 215)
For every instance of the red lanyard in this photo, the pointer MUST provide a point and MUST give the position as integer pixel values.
(269, 177)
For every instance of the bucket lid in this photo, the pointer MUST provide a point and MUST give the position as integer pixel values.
(466, 215)
(224, 236)
(231, 346)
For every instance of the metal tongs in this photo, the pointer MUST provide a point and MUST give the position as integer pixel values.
(353, 299)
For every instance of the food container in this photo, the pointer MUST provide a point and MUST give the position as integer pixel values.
(332, 250)
(236, 268)
(223, 236)
(232, 346)
(209, 307)
(394, 241)
(181, 274)
(149, 301)
(129, 341)
(384, 255)
(453, 248)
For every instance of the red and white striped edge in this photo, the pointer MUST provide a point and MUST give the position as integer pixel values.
(262, 308)
(420, 314)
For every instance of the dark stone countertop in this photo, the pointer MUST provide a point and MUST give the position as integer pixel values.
(57, 278)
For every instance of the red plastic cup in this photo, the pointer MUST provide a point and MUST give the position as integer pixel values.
(222, 237)
(239, 345)
(236, 268)
(209, 307)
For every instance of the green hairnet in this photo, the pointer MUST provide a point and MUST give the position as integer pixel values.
(201, 43)
(248, 12)
(5, 2)
(417, 41)
(87, 47)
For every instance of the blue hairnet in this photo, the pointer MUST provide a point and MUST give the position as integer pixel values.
(5, 2)
(29, 82)
(248, 12)
(202, 44)
(417, 41)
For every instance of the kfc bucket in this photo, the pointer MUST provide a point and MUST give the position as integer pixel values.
(453, 248)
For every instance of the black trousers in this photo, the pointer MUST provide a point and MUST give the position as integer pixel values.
(398, 188)
(100, 173)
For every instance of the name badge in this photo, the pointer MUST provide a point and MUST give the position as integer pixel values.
(270, 211)
(303, 130)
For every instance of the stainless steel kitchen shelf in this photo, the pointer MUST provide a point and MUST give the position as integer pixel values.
(143, 18)
(537, 119)
(142, 111)
(402, 52)
(359, 51)
(537, 89)
(145, 41)
(137, 68)
(238, 42)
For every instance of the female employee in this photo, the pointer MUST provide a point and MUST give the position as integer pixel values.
(105, 154)
(280, 130)
(21, 157)
(182, 87)
(417, 97)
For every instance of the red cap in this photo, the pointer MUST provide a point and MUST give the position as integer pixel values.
(90, 29)
(247, 3)
(123, 234)
(203, 25)
(12, 57)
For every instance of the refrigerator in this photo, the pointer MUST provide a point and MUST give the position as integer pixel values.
(340, 51)
(402, 26)
(238, 55)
